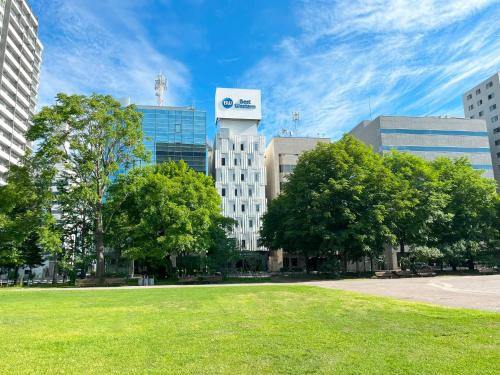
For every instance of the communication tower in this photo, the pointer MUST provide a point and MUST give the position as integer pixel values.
(160, 88)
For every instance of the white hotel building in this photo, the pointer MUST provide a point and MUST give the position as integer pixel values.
(20, 60)
(238, 162)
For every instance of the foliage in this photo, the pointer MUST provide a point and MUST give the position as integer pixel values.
(162, 210)
(335, 202)
(90, 138)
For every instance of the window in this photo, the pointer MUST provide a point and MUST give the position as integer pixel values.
(249, 162)
(494, 119)
(489, 84)
(481, 113)
(496, 130)
(469, 97)
(250, 192)
(243, 244)
(234, 207)
(234, 176)
(498, 154)
(242, 147)
(471, 107)
(178, 128)
(478, 91)
(223, 192)
(491, 96)
(479, 102)
(493, 107)
(256, 177)
(250, 222)
(256, 147)
(235, 161)
(223, 161)
(242, 208)
(233, 146)
(235, 192)
(497, 142)
(242, 177)
(257, 207)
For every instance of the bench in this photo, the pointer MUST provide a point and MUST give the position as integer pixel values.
(86, 283)
(200, 279)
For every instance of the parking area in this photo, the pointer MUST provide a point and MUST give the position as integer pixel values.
(475, 292)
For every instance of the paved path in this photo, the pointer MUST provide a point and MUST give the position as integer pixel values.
(474, 292)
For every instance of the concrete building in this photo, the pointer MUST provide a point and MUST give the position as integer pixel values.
(238, 162)
(174, 134)
(20, 60)
(429, 138)
(483, 102)
(282, 154)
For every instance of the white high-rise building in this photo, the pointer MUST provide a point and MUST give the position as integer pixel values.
(483, 102)
(238, 162)
(20, 60)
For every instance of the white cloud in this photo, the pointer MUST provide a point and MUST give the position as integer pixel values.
(98, 47)
(397, 56)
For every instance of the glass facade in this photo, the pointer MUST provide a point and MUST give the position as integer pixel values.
(176, 133)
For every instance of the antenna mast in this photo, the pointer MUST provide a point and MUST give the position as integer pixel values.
(296, 120)
(160, 88)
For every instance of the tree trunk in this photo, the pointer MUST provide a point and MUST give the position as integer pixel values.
(470, 264)
(402, 247)
(99, 241)
(54, 270)
(16, 274)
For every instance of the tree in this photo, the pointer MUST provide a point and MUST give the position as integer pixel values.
(162, 210)
(91, 138)
(27, 226)
(335, 202)
(472, 210)
(416, 201)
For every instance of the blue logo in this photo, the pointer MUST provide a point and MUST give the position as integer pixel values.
(227, 102)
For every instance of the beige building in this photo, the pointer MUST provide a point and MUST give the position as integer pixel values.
(281, 157)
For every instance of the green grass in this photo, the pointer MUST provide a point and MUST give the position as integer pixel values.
(239, 330)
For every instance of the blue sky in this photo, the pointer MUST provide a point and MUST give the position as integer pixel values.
(329, 60)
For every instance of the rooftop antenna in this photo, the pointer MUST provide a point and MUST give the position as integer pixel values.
(160, 88)
(296, 120)
(370, 106)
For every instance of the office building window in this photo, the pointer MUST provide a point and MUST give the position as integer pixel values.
(471, 107)
(242, 147)
(233, 147)
(242, 208)
(234, 176)
(257, 177)
(250, 192)
(257, 207)
(234, 207)
(235, 192)
(491, 96)
(481, 113)
(178, 128)
(469, 97)
(249, 162)
(250, 223)
(223, 161)
(497, 142)
(498, 154)
(235, 161)
(256, 147)
(223, 192)
(479, 102)
(494, 119)
(242, 177)
(478, 91)
(493, 107)
(243, 244)
(489, 84)
(496, 130)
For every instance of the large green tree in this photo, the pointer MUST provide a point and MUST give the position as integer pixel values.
(335, 202)
(162, 210)
(416, 201)
(471, 206)
(28, 229)
(91, 137)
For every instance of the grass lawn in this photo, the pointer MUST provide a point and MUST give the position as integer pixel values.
(239, 330)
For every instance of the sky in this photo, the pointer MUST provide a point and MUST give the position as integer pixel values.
(335, 62)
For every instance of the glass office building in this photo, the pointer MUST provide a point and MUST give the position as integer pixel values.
(176, 133)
